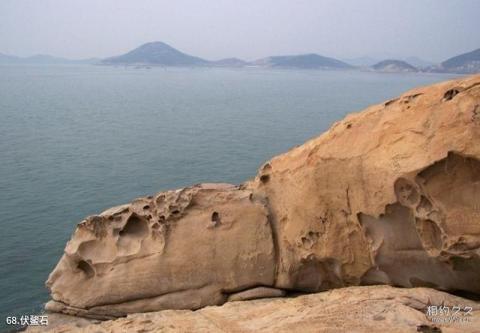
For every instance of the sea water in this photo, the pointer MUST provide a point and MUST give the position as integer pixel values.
(75, 140)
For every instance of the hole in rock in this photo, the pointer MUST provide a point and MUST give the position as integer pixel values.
(86, 268)
(450, 94)
(310, 239)
(215, 218)
(131, 236)
(264, 179)
(135, 227)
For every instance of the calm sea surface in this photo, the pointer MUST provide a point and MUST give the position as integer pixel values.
(75, 140)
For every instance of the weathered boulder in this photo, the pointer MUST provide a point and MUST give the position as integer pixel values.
(181, 249)
(390, 195)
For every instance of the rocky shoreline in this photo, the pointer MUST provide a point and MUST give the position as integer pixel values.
(389, 196)
(352, 309)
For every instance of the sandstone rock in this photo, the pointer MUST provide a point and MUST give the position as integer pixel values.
(354, 309)
(390, 195)
(181, 249)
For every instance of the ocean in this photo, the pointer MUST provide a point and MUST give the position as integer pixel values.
(75, 140)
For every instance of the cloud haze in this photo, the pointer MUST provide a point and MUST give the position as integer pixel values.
(431, 29)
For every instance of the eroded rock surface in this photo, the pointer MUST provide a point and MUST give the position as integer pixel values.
(390, 195)
(181, 249)
(355, 309)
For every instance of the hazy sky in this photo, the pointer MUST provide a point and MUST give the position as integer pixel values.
(430, 29)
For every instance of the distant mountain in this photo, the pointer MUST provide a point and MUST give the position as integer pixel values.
(156, 53)
(466, 63)
(41, 59)
(302, 61)
(418, 62)
(161, 54)
(369, 61)
(229, 62)
(393, 66)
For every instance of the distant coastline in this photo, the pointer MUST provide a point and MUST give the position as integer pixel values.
(163, 55)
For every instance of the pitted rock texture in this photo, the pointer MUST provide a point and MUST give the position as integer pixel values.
(372, 309)
(390, 195)
(181, 249)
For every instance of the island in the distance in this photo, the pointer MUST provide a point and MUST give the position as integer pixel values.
(303, 61)
(463, 63)
(394, 66)
(163, 55)
(156, 53)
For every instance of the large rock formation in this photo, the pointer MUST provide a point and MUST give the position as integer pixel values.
(181, 249)
(373, 309)
(390, 195)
